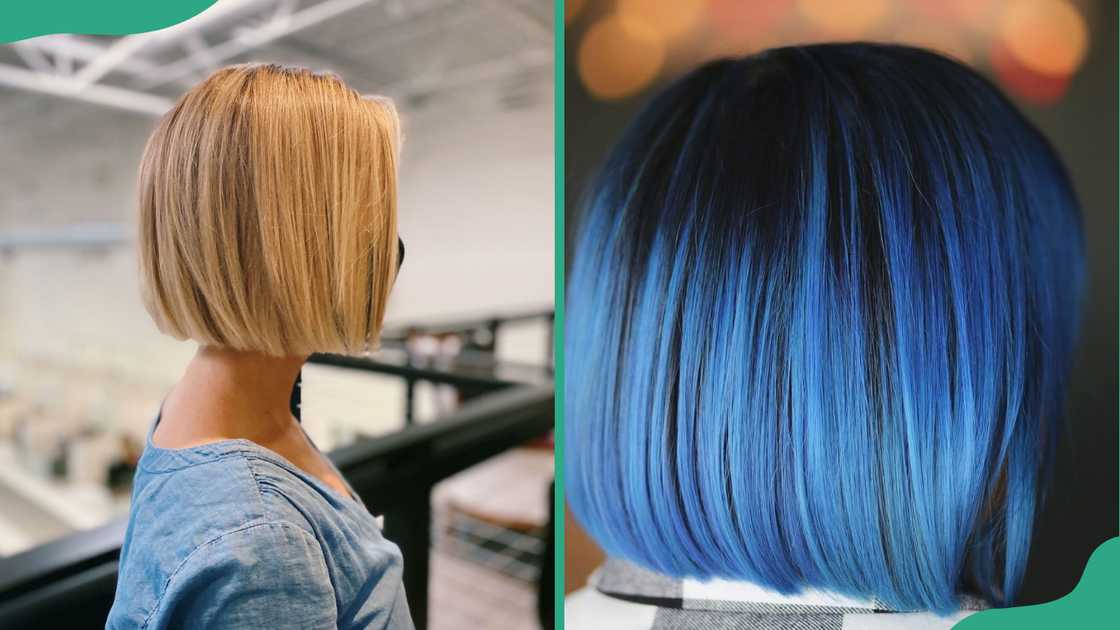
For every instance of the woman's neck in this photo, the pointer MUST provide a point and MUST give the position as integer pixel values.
(226, 394)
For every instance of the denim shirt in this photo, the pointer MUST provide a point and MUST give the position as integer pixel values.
(232, 535)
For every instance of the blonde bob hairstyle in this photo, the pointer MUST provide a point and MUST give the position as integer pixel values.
(268, 217)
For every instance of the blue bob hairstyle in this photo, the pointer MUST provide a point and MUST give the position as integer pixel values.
(820, 317)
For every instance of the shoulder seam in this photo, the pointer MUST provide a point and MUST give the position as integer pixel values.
(214, 540)
(267, 510)
(257, 484)
(220, 458)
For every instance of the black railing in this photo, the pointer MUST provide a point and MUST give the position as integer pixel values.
(70, 582)
(474, 370)
(472, 374)
(482, 332)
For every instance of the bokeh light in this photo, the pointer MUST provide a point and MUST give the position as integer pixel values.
(1033, 48)
(670, 19)
(619, 57)
(1046, 36)
(1027, 84)
(736, 19)
(850, 19)
(975, 14)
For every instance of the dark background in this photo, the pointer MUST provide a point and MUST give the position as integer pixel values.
(1082, 508)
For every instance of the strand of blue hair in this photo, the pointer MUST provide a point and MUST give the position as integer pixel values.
(819, 322)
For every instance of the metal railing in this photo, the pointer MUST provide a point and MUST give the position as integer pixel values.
(70, 582)
(475, 370)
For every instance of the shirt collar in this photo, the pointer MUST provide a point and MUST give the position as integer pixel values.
(625, 580)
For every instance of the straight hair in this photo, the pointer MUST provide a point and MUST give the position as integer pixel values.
(268, 217)
(819, 322)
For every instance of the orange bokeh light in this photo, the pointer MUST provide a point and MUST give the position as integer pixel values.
(671, 19)
(977, 14)
(736, 18)
(1046, 36)
(850, 19)
(1031, 86)
(619, 57)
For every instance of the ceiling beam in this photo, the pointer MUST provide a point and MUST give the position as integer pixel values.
(81, 49)
(33, 57)
(128, 46)
(107, 61)
(109, 96)
(246, 40)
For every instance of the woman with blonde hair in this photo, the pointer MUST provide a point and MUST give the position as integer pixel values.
(268, 231)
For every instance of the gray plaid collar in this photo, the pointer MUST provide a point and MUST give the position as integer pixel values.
(627, 581)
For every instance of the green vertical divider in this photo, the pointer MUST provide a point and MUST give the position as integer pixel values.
(558, 273)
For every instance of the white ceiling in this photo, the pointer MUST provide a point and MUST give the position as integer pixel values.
(445, 61)
(413, 50)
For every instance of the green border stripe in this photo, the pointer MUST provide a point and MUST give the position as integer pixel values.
(21, 19)
(558, 332)
(1091, 604)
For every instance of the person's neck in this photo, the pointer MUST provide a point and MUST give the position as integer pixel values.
(227, 394)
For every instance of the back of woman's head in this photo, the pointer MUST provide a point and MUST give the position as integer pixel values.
(819, 323)
(268, 217)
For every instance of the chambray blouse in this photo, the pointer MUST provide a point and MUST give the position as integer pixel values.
(232, 535)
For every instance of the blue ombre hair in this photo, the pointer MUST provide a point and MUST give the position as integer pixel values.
(820, 317)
